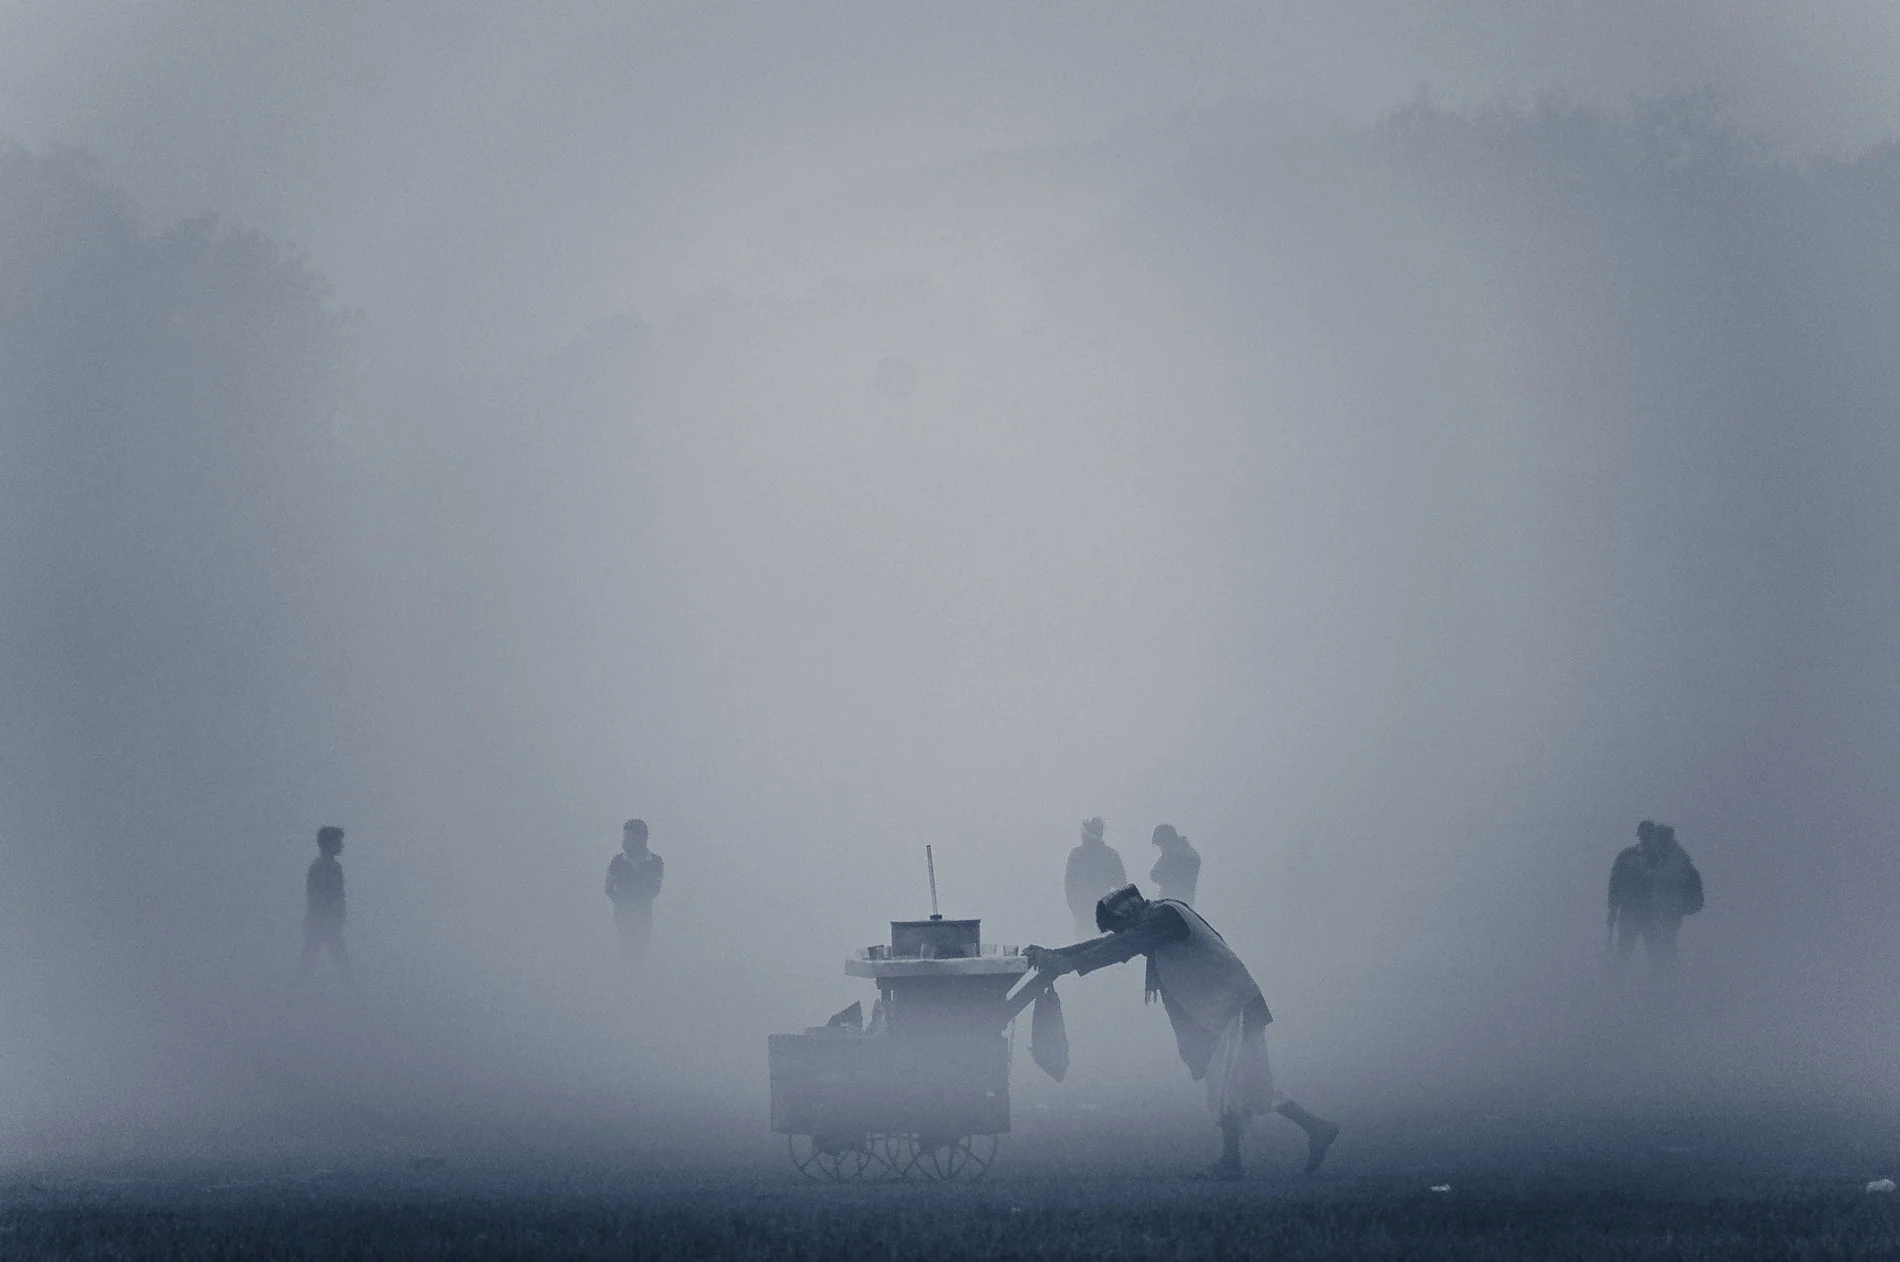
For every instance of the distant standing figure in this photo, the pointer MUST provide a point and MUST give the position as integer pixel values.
(1094, 869)
(1178, 870)
(1653, 885)
(1219, 1016)
(323, 903)
(633, 882)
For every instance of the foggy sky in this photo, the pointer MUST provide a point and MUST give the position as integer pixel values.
(625, 156)
(1401, 489)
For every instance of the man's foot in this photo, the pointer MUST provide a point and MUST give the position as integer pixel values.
(1318, 1139)
(1226, 1170)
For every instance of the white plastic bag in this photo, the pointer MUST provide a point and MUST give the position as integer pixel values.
(1048, 1036)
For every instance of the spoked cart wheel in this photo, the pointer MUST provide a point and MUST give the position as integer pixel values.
(831, 1158)
(895, 1151)
(942, 1157)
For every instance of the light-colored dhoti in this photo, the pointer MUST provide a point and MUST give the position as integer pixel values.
(1239, 1079)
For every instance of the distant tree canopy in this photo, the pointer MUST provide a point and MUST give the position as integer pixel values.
(1627, 377)
(1595, 405)
(164, 403)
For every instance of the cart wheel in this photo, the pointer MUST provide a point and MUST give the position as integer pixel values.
(895, 1152)
(942, 1157)
(830, 1157)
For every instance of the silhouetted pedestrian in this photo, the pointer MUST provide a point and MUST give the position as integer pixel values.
(323, 903)
(1653, 885)
(633, 882)
(1094, 869)
(1178, 870)
(1219, 1016)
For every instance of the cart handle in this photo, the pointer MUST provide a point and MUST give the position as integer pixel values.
(1026, 994)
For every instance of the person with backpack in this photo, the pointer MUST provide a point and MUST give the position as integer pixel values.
(1653, 886)
(1675, 892)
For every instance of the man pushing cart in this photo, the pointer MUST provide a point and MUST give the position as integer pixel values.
(1219, 1015)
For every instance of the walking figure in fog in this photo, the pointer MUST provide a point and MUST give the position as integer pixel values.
(1653, 885)
(1219, 1016)
(633, 882)
(1178, 870)
(1094, 869)
(323, 903)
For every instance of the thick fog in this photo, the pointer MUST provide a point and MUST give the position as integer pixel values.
(832, 434)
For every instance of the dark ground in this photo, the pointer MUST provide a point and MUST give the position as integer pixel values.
(1658, 1184)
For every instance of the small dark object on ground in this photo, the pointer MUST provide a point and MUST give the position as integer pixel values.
(1086, 1218)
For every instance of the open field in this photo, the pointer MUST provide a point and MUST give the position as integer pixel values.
(1098, 1219)
(1675, 1188)
(1092, 1218)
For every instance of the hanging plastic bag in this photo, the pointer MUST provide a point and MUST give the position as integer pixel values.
(1048, 1036)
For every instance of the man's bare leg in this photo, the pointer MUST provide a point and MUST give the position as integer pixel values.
(1232, 1126)
(1320, 1133)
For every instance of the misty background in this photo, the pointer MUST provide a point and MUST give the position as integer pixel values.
(830, 433)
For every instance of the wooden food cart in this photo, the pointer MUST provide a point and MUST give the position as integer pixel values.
(922, 1088)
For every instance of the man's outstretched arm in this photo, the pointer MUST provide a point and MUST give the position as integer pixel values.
(1083, 957)
(1158, 927)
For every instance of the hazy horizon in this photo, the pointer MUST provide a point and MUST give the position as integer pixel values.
(1402, 456)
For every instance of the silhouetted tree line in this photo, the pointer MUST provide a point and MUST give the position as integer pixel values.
(1659, 352)
(168, 490)
(1630, 376)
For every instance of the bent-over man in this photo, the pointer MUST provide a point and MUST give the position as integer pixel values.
(1219, 1016)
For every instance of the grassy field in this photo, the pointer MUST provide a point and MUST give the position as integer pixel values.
(1576, 1200)
(1081, 1187)
(1094, 1219)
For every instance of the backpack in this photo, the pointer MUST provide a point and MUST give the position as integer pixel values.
(1691, 889)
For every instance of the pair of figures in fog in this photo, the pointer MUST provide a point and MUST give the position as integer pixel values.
(1653, 885)
(1219, 1016)
(1095, 869)
(633, 883)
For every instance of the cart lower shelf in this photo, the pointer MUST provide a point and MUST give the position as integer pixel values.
(900, 1156)
(856, 1106)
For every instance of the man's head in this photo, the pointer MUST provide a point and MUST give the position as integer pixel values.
(1665, 835)
(1166, 837)
(330, 839)
(633, 836)
(1092, 829)
(1649, 839)
(1119, 909)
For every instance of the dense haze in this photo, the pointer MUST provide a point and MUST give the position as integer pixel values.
(860, 434)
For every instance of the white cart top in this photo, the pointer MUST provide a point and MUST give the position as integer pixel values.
(862, 965)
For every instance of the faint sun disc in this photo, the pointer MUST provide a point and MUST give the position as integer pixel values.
(896, 377)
